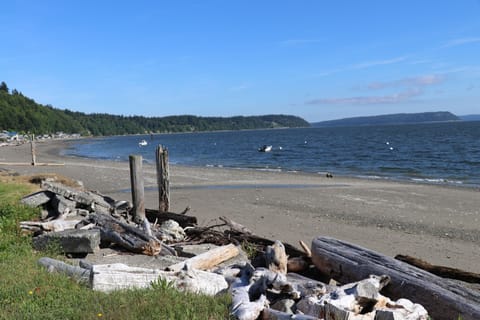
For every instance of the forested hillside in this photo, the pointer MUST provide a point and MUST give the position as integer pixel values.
(20, 113)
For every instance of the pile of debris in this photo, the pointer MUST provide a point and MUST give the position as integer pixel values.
(276, 281)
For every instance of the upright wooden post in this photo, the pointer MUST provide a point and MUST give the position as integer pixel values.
(163, 179)
(138, 192)
(32, 147)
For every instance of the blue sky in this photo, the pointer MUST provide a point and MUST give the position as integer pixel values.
(320, 60)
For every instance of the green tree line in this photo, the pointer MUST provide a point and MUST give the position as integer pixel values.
(20, 113)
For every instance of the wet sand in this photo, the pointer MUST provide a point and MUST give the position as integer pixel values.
(440, 224)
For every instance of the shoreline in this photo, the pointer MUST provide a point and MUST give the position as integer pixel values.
(437, 223)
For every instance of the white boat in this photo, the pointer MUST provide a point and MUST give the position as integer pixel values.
(265, 148)
(142, 143)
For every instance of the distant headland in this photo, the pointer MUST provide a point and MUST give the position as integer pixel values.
(389, 119)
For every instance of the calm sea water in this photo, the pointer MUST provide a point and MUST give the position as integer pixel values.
(443, 153)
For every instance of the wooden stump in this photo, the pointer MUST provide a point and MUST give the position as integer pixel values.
(163, 179)
(138, 191)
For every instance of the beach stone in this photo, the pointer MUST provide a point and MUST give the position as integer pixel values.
(70, 241)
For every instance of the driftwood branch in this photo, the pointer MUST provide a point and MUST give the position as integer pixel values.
(235, 226)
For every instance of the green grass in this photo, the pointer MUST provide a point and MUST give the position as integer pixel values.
(27, 291)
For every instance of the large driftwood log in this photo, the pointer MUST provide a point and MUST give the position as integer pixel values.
(126, 236)
(119, 276)
(441, 271)
(444, 299)
(209, 259)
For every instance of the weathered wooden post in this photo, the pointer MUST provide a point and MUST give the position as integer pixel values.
(32, 148)
(163, 179)
(138, 192)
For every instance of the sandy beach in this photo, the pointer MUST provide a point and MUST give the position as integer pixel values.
(440, 224)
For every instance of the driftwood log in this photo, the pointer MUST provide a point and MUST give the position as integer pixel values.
(82, 275)
(207, 260)
(441, 271)
(127, 236)
(444, 299)
(159, 217)
(119, 276)
(49, 226)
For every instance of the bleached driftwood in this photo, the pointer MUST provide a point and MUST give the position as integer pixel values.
(209, 259)
(276, 258)
(120, 276)
(444, 299)
(82, 275)
(242, 307)
(54, 225)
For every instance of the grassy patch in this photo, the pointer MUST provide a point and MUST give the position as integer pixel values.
(28, 292)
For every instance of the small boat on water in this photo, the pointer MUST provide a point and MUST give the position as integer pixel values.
(143, 143)
(265, 148)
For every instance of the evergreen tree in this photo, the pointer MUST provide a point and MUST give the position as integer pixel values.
(3, 87)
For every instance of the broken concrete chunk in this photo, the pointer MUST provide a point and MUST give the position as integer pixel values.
(70, 241)
(37, 199)
(82, 197)
(63, 205)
